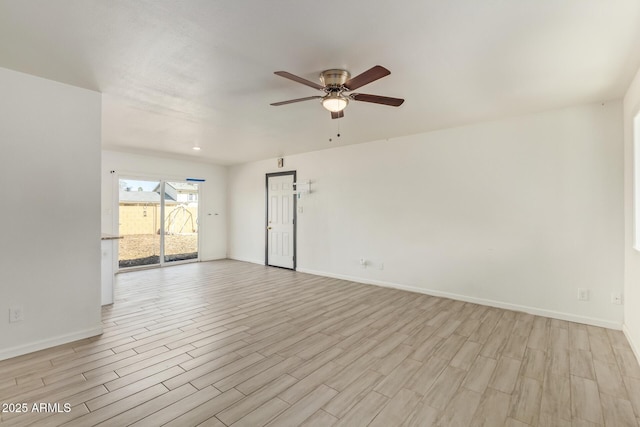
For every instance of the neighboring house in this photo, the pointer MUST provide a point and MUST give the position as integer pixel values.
(138, 197)
(181, 192)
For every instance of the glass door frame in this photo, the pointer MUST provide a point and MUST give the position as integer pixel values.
(162, 179)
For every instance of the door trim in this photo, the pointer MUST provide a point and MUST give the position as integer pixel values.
(266, 220)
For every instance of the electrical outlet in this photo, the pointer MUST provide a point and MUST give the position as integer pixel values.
(381, 266)
(16, 314)
(363, 262)
(616, 298)
(583, 294)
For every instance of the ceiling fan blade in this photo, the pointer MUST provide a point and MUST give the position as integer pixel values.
(376, 99)
(337, 115)
(295, 78)
(367, 77)
(291, 101)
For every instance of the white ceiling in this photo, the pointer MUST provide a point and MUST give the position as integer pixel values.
(200, 72)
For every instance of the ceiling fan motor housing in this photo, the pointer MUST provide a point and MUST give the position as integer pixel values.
(334, 79)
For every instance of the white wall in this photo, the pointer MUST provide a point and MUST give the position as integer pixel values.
(49, 212)
(213, 207)
(517, 213)
(632, 256)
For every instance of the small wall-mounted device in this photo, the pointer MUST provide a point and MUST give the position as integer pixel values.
(302, 187)
(280, 162)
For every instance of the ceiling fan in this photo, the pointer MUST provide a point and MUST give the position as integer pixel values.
(337, 84)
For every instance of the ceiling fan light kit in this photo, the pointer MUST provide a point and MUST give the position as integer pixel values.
(335, 102)
(336, 84)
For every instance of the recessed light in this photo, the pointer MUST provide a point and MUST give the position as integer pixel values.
(196, 148)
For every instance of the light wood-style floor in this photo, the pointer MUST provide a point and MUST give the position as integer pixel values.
(227, 343)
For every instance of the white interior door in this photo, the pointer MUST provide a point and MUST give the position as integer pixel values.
(280, 251)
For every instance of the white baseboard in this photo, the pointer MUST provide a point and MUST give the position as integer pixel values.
(482, 301)
(634, 345)
(252, 261)
(48, 343)
(212, 259)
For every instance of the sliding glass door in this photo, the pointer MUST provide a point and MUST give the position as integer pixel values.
(158, 222)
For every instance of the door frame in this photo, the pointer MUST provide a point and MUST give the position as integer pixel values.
(266, 219)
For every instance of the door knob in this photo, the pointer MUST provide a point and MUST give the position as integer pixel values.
(269, 228)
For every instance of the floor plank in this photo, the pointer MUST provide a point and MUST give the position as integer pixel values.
(228, 343)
